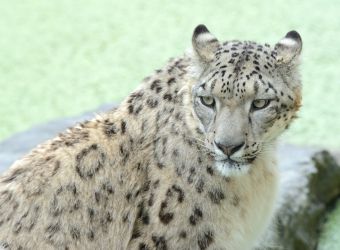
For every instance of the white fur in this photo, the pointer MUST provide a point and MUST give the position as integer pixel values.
(227, 169)
(288, 42)
(204, 37)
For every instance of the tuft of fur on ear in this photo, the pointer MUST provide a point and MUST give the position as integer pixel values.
(288, 51)
(204, 43)
(289, 48)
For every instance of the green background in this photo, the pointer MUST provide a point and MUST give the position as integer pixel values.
(60, 58)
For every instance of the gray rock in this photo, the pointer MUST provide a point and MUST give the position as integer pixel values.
(307, 192)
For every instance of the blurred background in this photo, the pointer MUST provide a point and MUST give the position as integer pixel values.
(61, 58)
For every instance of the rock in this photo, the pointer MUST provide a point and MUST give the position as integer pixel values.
(306, 194)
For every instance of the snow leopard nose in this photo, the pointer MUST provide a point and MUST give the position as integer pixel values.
(229, 150)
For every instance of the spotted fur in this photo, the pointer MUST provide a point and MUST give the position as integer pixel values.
(146, 175)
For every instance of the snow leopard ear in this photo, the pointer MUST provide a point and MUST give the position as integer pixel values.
(289, 48)
(204, 43)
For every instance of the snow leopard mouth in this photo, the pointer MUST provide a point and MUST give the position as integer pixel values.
(231, 162)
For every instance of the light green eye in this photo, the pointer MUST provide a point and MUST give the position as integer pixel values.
(208, 101)
(260, 104)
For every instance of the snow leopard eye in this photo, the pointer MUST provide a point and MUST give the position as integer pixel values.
(260, 104)
(208, 101)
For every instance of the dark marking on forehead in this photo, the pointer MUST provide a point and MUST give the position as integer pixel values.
(256, 87)
(272, 87)
(213, 75)
(171, 81)
(213, 84)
